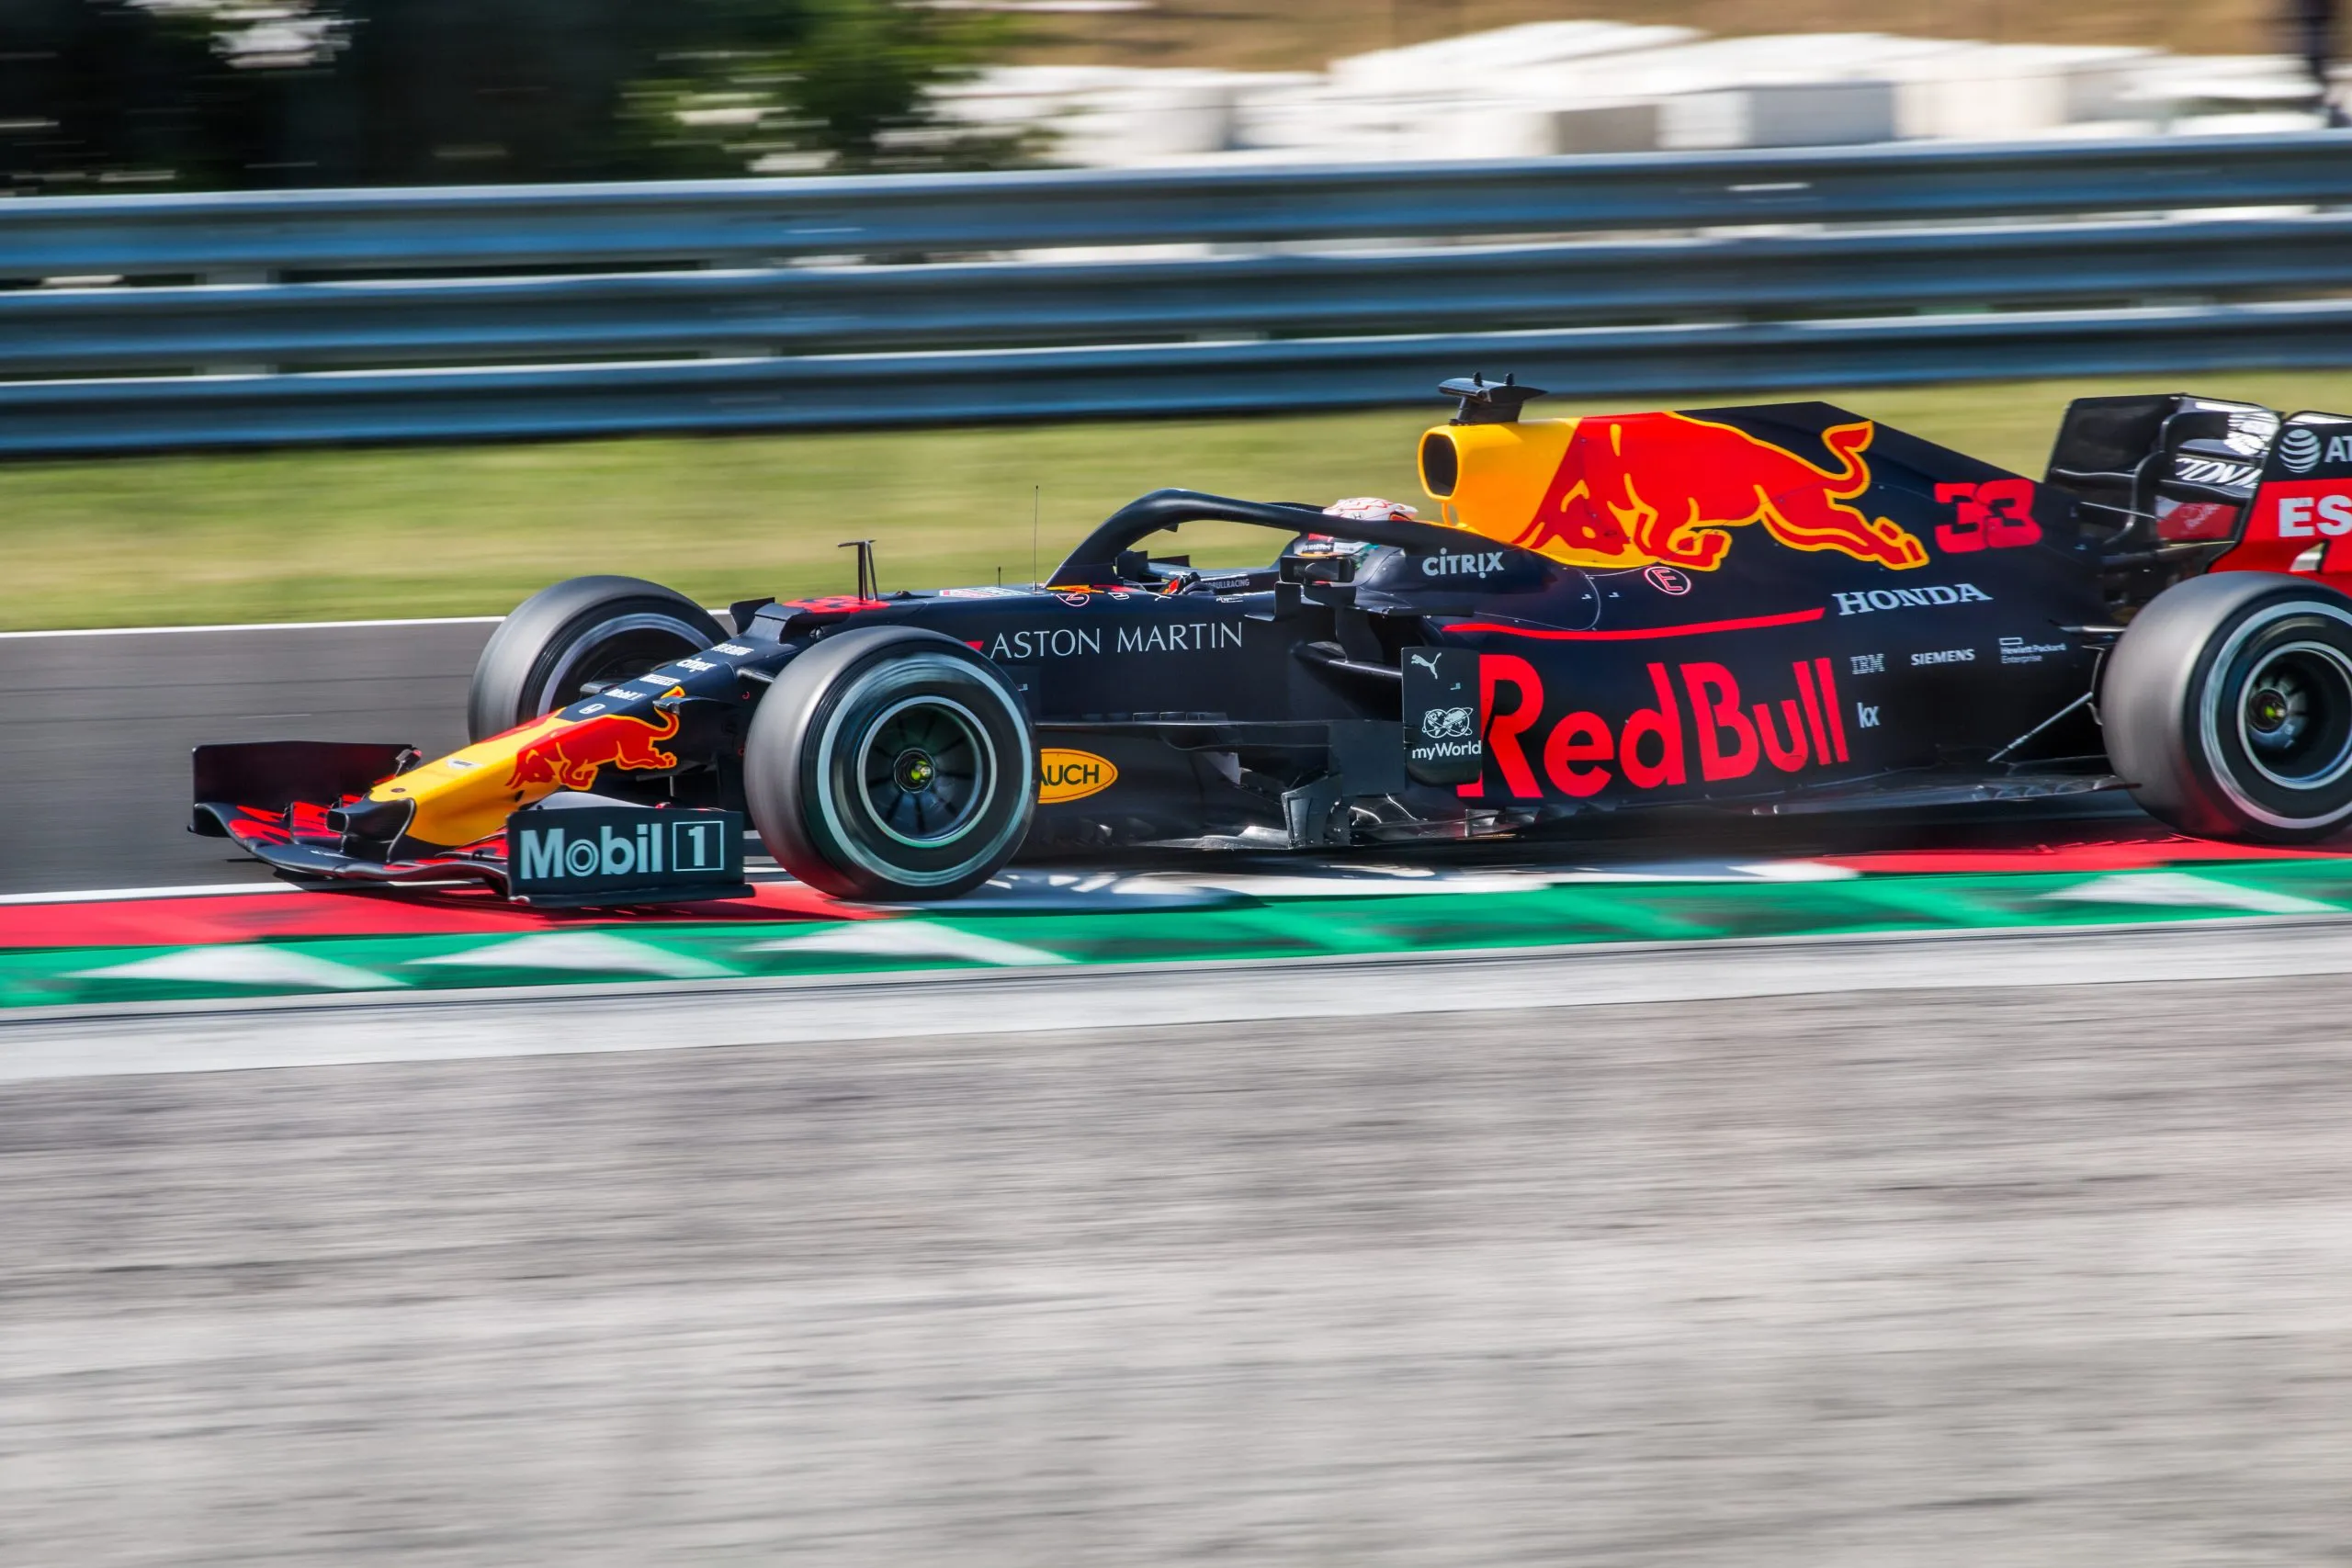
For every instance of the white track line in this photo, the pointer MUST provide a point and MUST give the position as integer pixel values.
(107, 895)
(718, 612)
(260, 626)
(557, 1021)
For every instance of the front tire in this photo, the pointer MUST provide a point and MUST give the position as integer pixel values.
(586, 631)
(891, 763)
(2228, 707)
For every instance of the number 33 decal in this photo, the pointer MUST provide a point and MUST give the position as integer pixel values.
(1994, 516)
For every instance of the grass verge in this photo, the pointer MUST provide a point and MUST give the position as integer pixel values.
(471, 530)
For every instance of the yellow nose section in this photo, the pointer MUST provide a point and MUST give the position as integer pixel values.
(465, 796)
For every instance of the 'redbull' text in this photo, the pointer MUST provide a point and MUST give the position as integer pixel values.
(1700, 727)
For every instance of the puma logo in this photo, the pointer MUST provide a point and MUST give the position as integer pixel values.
(1425, 661)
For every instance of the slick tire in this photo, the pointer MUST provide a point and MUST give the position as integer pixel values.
(889, 763)
(2227, 706)
(589, 630)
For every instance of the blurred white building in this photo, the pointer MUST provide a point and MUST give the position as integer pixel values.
(1588, 87)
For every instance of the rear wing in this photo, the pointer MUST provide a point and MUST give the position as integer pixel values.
(2170, 484)
(2160, 470)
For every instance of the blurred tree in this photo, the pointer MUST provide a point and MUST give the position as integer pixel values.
(856, 82)
(105, 92)
(210, 93)
(434, 91)
(850, 90)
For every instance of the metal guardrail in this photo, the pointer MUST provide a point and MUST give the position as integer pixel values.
(853, 309)
(582, 226)
(866, 390)
(1716, 250)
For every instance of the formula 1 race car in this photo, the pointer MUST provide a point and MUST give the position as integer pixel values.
(1775, 608)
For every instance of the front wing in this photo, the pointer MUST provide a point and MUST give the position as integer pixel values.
(277, 802)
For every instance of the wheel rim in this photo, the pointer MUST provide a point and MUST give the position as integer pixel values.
(2295, 715)
(612, 651)
(927, 771)
(2318, 800)
(849, 757)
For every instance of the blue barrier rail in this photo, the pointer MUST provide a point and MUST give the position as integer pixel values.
(850, 309)
(486, 313)
(158, 412)
(579, 226)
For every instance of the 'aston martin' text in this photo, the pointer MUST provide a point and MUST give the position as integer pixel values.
(1072, 642)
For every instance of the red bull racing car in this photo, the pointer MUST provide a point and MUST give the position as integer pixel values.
(1775, 608)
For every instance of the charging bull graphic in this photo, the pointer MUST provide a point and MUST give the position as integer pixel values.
(465, 797)
(569, 753)
(1640, 489)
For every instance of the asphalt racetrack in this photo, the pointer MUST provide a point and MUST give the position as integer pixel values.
(98, 727)
(2020, 1248)
(1927, 1277)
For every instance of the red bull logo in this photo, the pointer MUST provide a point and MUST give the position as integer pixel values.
(569, 753)
(1665, 490)
(1700, 728)
(465, 797)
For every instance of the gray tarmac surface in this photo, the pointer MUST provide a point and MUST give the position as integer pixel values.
(94, 733)
(2052, 1276)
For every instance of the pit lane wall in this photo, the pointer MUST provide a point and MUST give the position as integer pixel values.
(149, 322)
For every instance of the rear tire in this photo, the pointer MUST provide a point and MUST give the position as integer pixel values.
(2228, 707)
(891, 763)
(589, 630)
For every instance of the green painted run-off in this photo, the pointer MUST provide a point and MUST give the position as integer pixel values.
(1238, 927)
